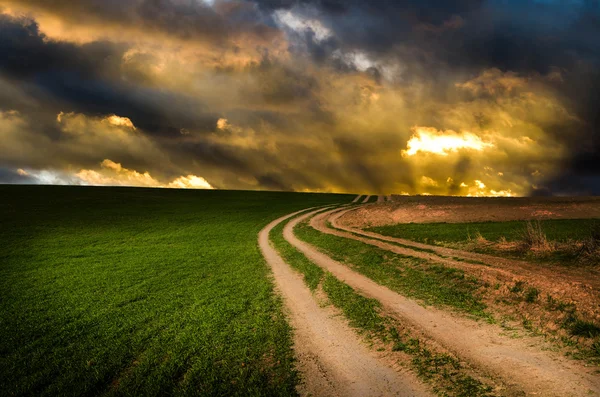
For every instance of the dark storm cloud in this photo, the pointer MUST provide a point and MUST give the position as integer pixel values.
(510, 35)
(280, 84)
(25, 53)
(186, 20)
(355, 160)
(85, 79)
(434, 37)
(272, 182)
(460, 170)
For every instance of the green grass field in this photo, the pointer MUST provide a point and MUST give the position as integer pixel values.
(125, 291)
(564, 236)
(561, 230)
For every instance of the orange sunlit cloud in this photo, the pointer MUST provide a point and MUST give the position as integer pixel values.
(111, 173)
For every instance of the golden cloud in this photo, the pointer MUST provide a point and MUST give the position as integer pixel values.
(190, 182)
(119, 121)
(114, 174)
(493, 82)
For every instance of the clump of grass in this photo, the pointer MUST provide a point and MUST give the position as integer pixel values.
(557, 305)
(534, 238)
(518, 287)
(585, 328)
(532, 295)
(590, 248)
(479, 241)
(596, 348)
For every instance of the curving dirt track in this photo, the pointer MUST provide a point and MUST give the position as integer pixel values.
(366, 200)
(356, 199)
(331, 358)
(521, 365)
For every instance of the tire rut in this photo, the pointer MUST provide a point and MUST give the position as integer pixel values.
(331, 358)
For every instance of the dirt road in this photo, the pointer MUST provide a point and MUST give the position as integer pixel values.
(331, 358)
(366, 200)
(518, 362)
(357, 198)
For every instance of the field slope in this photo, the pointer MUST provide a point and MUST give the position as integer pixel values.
(141, 291)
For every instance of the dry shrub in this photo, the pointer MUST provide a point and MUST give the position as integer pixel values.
(480, 239)
(533, 238)
(504, 245)
(590, 248)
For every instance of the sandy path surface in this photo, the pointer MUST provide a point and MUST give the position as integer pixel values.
(517, 362)
(332, 359)
(380, 199)
(366, 199)
(356, 198)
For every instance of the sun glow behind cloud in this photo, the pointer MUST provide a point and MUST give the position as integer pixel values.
(430, 140)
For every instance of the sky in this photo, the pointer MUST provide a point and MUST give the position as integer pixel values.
(463, 97)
